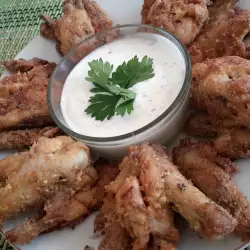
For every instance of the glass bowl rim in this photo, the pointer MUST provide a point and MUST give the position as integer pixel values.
(167, 112)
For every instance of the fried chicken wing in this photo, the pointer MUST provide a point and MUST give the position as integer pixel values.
(22, 65)
(64, 209)
(97, 15)
(115, 237)
(203, 215)
(73, 26)
(23, 98)
(202, 124)
(80, 19)
(220, 86)
(132, 212)
(224, 36)
(24, 109)
(38, 76)
(161, 216)
(107, 222)
(196, 163)
(53, 165)
(128, 167)
(10, 165)
(183, 18)
(22, 138)
(229, 139)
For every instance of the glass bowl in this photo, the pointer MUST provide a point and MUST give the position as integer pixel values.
(161, 130)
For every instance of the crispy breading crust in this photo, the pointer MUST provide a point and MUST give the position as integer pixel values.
(23, 99)
(222, 38)
(22, 65)
(229, 139)
(221, 87)
(202, 124)
(65, 210)
(196, 164)
(183, 18)
(22, 138)
(48, 169)
(80, 19)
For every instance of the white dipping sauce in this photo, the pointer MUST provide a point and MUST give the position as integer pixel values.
(153, 96)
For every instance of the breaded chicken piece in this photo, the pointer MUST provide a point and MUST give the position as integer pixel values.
(64, 209)
(10, 165)
(107, 222)
(16, 139)
(197, 164)
(53, 166)
(38, 76)
(160, 214)
(25, 109)
(202, 124)
(128, 167)
(132, 212)
(97, 15)
(220, 86)
(21, 65)
(183, 18)
(203, 215)
(80, 19)
(115, 237)
(73, 26)
(23, 99)
(223, 37)
(230, 140)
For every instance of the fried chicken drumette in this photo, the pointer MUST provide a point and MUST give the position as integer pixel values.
(80, 19)
(203, 215)
(23, 138)
(226, 34)
(146, 186)
(23, 97)
(21, 65)
(65, 209)
(199, 162)
(52, 166)
(229, 138)
(183, 18)
(220, 87)
(158, 216)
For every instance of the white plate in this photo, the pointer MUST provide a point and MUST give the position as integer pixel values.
(121, 12)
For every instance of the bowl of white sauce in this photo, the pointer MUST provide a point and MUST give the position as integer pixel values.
(144, 66)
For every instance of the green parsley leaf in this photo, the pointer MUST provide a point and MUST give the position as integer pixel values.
(132, 72)
(124, 106)
(99, 72)
(102, 106)
(112, 96)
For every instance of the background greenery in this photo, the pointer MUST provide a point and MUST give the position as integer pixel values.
(19, 23)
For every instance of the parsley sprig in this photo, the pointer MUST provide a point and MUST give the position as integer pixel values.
(112, 94)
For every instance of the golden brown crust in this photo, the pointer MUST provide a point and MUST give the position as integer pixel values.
(48, 169)
(223, 37)
(97, 15)
(22, 138)
(80, 19)
(65, 209)
(23, 99)
(202, 124)
(183, 18)
(196, 163)
(22, 65)
(221, 87)
(231, 140)
(203, 215)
